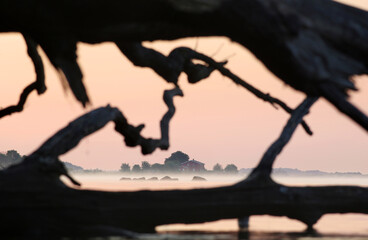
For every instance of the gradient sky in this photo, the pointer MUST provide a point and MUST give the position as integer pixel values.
(215, 121)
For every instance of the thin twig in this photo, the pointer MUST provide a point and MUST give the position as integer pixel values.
(237, 80)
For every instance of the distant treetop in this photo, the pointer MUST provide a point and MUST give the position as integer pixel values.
(177, 158)
(218, 168)
(231, 168)
(9, 158)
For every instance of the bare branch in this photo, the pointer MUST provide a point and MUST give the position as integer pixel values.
(69, 137)
(168, 67)
(313, 52)
(226, 72)
(148, 145)
(264, 168)
(38, 85)
(294, 40)
(180, 60)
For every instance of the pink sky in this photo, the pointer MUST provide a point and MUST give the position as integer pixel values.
(216, 121)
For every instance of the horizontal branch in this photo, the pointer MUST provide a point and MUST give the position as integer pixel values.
(142, 211)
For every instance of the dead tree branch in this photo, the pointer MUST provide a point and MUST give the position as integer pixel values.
(180, 60)
(38, 85)
(264, 168)
(314, 52)
(70, 136)
(305, 48)
(45, 160)
(168, 67)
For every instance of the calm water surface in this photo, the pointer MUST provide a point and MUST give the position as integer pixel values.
(332, 226)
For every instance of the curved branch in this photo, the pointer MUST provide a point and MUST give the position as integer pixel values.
(180, 60)
(46, 156)
(70, 136)
(38, 85)
(148, 145)
(168, 67)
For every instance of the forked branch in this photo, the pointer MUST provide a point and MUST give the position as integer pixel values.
(180, 60)
(264, 168)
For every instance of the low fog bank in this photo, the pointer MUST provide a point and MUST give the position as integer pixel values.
(118, 181)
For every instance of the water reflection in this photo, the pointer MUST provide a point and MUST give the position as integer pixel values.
(233, 236)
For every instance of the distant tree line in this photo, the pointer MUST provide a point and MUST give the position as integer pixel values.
(172, 164)
(9, 158)
(230, 168)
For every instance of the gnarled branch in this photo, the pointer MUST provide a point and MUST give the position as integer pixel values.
(180, 60)
(70, 136)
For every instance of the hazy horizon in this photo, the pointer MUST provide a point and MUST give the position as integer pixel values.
(208, 169)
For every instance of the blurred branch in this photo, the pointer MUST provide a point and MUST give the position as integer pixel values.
(180, 60)
(38, 85)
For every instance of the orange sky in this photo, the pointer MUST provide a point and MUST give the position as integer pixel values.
(216, 121)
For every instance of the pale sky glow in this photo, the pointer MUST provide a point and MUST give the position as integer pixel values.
(215, 121)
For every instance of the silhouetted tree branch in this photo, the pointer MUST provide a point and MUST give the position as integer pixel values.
(69, 137)
(180, 60)
(263, 171)
(313, 51)
(38, 85)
